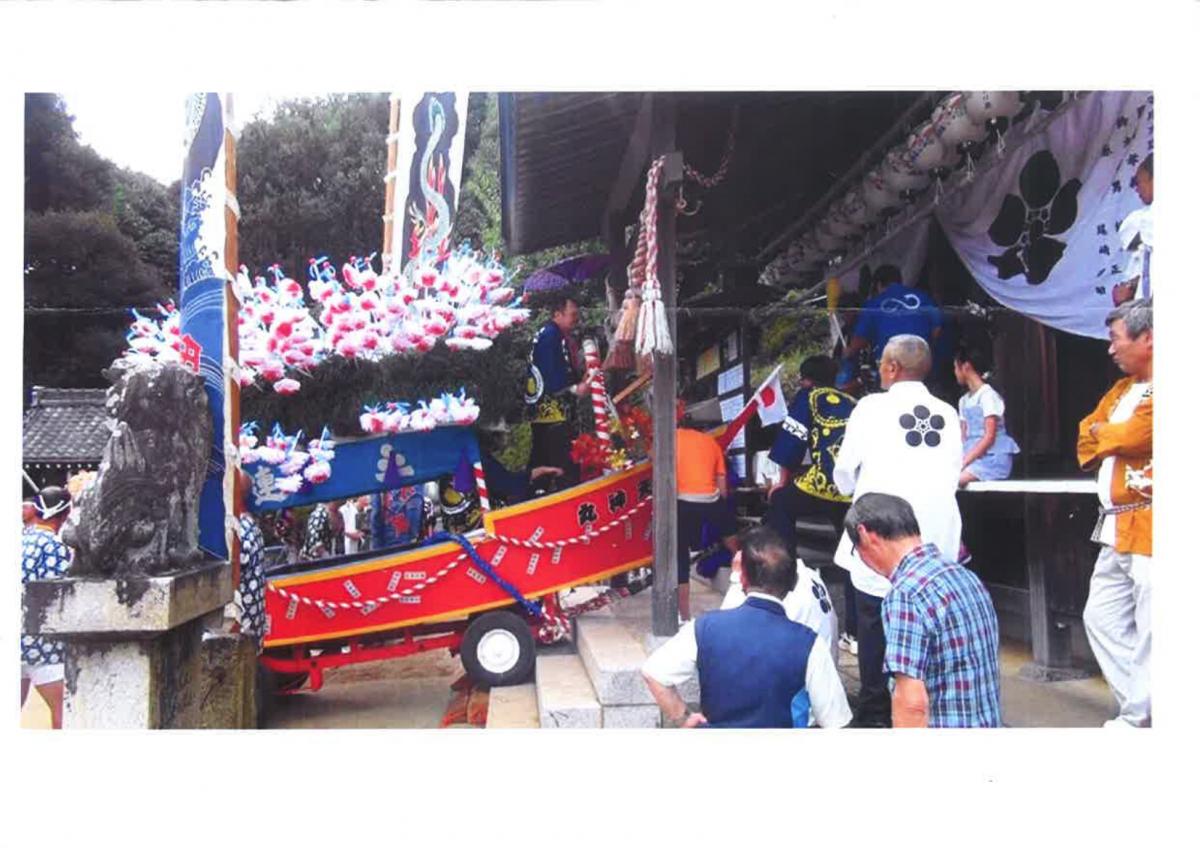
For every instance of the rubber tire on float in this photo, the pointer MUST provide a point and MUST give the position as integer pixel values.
(498, 649)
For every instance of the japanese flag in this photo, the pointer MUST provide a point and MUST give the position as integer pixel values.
(772, 406)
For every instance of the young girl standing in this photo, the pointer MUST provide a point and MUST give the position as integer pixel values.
(987, 448)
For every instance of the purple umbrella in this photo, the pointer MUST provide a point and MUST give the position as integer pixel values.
(562, 275)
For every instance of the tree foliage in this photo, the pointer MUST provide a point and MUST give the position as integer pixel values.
(310, 181)
(97, 237)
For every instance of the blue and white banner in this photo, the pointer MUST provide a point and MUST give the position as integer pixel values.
(1039, 230)
(202, 275)
(378, 464)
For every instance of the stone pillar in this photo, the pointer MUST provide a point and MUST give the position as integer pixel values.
(147, 652)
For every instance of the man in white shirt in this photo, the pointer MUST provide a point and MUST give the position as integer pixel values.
(903, 442)
(756, 667)
(352, 518)
(808, 604)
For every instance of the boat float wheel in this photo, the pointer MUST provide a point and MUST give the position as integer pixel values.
(498, 649)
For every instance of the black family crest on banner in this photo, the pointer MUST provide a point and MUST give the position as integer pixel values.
(1025, 225)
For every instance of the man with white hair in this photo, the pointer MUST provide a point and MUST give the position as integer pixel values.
(905, 442)
(1117, 440)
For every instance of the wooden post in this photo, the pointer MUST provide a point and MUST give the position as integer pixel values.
(665, 602)
(390, 178)
(233, 392)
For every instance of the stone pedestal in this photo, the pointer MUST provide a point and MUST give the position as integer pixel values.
(147, 652)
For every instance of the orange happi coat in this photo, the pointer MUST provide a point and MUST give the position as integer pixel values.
(1131, 443)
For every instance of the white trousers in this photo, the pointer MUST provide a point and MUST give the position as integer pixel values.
(1117, 621)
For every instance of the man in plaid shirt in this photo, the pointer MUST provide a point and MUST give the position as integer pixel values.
(939, 622)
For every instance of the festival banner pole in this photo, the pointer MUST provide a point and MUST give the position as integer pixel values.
(390, 179)
(204, 295)
(233, 392)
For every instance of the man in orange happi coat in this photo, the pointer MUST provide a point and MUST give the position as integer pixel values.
(1117, 439)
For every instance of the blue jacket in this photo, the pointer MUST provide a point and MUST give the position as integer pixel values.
(816, 421)
(752, 661)
(551, 373)
(896, 310)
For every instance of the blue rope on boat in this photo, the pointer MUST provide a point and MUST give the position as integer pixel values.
(531, 607)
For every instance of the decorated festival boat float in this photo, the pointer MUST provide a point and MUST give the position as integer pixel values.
(490, 593)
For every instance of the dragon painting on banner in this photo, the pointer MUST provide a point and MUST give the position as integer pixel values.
(432, 129)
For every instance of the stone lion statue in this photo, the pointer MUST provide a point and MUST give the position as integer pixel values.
(141, 515)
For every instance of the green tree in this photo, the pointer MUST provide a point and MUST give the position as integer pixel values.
(310, 181)
(82, 259)
(98, 238)
(478, 219)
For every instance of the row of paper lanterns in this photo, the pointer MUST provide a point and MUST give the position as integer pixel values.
(930, 151)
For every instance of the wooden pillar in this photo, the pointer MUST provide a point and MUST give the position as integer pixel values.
(390, 179)
(233, 390)
(665, 602)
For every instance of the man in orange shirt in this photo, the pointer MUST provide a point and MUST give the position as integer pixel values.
(702, 490)
(1117, 439)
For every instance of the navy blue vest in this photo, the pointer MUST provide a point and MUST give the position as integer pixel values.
(751, 661)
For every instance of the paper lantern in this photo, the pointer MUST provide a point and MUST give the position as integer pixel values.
(924, 151)
(855, 210)
(984, 106)
(840, 225)
(899, 175)
(827, 240)
(877, 194)
(954, 125)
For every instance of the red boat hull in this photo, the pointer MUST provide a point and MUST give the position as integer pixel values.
(604, 525)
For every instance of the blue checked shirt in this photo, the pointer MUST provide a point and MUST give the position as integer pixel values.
(940, 627)
(43, 557)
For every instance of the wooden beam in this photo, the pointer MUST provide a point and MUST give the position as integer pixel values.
(632, 170)
(664, 600)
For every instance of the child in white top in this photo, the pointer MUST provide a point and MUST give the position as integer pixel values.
(987, 448)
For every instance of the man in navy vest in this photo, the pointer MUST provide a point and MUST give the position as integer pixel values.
(757, 668)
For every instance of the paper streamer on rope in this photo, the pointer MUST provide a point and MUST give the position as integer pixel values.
(1039, 231)
(202, 292)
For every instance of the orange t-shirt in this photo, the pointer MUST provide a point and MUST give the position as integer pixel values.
(699, 460)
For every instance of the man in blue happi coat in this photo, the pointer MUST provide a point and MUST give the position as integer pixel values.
(555, 379)
(757, 667)
(899, 308)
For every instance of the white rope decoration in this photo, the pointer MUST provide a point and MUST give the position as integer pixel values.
(374, 603)
(653, 331)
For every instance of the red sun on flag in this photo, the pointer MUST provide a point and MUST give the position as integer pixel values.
(768, 396)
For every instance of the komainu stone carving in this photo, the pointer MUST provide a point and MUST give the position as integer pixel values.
(141, 515)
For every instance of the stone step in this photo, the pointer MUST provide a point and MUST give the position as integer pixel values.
(513, 707)
(565, 697)
(613, 652)
(613, 658)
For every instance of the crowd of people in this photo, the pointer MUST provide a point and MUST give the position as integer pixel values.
(884, 470)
